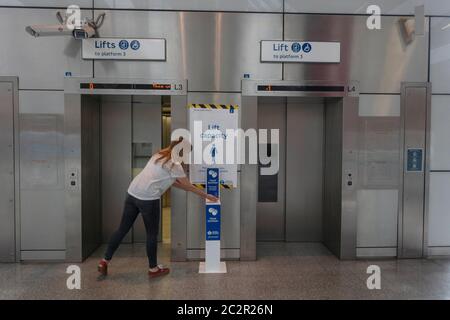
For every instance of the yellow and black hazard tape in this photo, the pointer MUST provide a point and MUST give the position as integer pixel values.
(214, 106)
(222, 186)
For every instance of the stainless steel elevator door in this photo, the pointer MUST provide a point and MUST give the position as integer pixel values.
(270, 213)
(116, 158)
(131, 133)
(147, 130)
(7, 217)
(289, 206)
(304, 169)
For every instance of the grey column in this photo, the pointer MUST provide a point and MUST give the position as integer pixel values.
(415, 101)
(249, 181)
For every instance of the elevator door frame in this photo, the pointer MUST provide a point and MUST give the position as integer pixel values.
(349, 91)
(14, 247)
(177, 90)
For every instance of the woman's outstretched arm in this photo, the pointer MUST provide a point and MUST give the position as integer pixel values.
(185, 184)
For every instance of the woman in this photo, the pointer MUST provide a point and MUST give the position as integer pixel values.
(143, 196)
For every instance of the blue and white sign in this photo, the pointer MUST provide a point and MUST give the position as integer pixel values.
(212, 262)
(414, 162)
(212, 182)
(300, 51)
(212, 222)
(211, 134)
(124, 49)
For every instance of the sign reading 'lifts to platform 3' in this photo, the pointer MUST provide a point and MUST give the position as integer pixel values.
(300, 51)
(124, 49)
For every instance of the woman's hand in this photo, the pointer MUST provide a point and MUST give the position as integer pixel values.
(212, 198)
(185, 184)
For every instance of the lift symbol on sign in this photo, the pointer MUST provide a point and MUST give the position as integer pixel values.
(306, 47)
(296, 47)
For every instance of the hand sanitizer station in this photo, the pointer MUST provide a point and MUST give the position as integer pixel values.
(212, 262)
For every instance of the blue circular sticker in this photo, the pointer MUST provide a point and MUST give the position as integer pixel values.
(123, 44)
(296, 47)
(135, 45)
(306, 47)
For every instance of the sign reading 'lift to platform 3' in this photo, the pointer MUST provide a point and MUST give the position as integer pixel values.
(300, 51)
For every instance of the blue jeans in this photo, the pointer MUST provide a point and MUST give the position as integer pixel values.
(150, 214)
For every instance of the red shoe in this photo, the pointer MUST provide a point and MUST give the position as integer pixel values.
(103, 267)
(161, 272)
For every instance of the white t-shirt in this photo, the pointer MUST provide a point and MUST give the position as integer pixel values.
(155, 179)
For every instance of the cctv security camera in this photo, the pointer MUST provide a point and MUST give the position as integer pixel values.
(48, 30)
(83, 33)
(86, 29)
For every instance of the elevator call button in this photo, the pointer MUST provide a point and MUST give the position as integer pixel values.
(414, 160)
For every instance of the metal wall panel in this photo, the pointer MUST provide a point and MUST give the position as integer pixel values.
(39, 256)
(41, 102)
(304, 169)
(116, 155)
(412, 217)
(178, 197)
(147, 128)
(40, 63)
(7, 172)
(379, 188)
(377, 218)
(439, 55)
(376, 252)
(432, 7)
(440, 131)
(379, 152)
(72, 162)
(249, 179)
(212, 5)
(212, 50)
(439, 215)
(379, 60)
(271, 216)
(42, 166)
(48, 3)
(379, 105)
(350, 176)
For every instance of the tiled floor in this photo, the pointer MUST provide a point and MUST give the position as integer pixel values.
(283, 271)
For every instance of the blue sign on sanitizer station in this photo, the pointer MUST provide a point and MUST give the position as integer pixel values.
(212, 210)
(212, 182)
(212, 262)
(212, 222)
